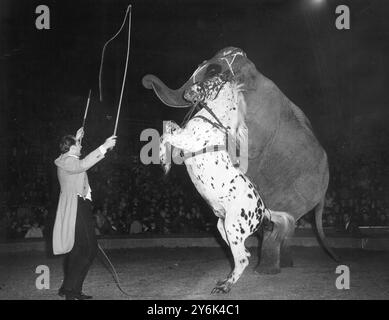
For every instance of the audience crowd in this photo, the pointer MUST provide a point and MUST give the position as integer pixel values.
(130, 198)
(356, 195)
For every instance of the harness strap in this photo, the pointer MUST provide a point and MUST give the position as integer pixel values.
(217, 147)
(215, 117)
(189, 114)
(209, 121)
(218, 125)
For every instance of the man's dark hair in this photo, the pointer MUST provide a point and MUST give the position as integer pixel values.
(66, 142)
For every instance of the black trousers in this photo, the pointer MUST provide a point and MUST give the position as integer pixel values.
(78, 261)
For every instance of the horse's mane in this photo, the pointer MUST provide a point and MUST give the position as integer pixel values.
(241, 132)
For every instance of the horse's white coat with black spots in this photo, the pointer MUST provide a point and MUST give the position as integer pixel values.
(234, 198)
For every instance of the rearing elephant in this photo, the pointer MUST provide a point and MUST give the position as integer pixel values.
(285, 159)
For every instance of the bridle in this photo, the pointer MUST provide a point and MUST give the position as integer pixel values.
(197, 106)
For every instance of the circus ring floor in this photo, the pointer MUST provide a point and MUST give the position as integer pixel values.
(165, 273)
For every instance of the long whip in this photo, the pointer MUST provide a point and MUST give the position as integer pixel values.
(103, 52)
(128, 13)
(86, 112)
(125, 70)
(113, 271)
(86, 109)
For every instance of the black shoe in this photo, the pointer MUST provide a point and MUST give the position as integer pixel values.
(62, 291)
(76, 296)
(84, 296)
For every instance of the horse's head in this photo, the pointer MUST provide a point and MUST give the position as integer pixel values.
(223, 95)
(208, 89)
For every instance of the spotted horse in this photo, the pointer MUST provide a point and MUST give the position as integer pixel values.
(234, 198)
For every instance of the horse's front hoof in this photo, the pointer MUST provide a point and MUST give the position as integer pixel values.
(222, 287)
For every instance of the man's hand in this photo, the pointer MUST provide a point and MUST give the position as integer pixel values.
(80, 133)
(110, 143)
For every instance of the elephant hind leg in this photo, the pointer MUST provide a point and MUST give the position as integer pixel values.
(273, 242)
(286, 259)
(269, 260)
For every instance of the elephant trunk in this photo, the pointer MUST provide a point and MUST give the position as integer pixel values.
(170, 97)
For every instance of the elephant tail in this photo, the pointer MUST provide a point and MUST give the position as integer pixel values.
(318, 226)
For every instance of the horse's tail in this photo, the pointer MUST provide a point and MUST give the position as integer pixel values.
(282, 224)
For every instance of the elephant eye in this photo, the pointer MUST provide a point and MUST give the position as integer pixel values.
(212, 70)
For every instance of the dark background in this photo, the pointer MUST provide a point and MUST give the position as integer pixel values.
(339, 78)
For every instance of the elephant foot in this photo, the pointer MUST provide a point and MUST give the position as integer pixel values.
(222, 287)
(267, 270)
(286, 257)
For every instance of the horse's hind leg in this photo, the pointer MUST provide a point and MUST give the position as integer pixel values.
(222, 230)
(236, 235)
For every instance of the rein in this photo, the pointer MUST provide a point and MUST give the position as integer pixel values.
(188, 116)
(218, 124)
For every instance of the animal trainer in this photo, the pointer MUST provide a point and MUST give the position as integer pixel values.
(284, 173)
(74, 232)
